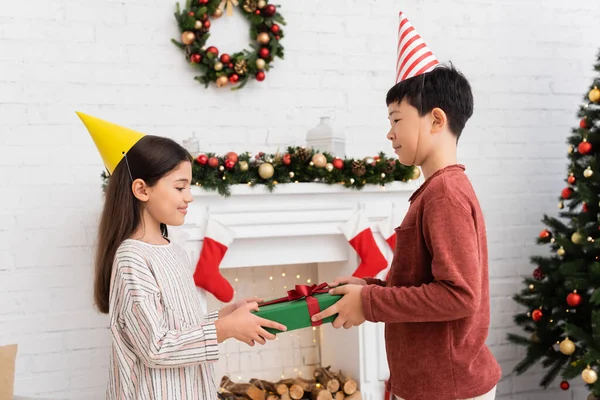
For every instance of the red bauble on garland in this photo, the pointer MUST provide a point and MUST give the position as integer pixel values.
(191, 13)
(213, 162)
(202, 159)
(229, 164)
(286, 159)
(567, 193)
(203, 1)
(537, 315)
(584, 147)
(338, 163)
(275, 28)
(564, 385)
(269, 10)
(232, 156)
(196, 58)
(574, 299)
(234, 78)
(260, 76)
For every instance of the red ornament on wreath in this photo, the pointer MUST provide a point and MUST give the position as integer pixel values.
(196, 58)
(239, 66)
(202, 159)
(564, 385)
(537, 315)
(567, 193)
(338, 163)
(584, 147)
(213, 162)
(574, 299)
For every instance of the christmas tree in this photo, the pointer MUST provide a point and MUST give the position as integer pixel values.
(562, 297)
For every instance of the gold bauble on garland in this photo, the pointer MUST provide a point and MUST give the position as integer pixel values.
(218, 13)
(243, 166)
(266, 170)
(263, 38)
(218, 66)
(188, 37)
(222, 81)
(319, 160)
(260, 63)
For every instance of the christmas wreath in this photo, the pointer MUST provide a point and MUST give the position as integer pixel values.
(266, 33)
(213, 172)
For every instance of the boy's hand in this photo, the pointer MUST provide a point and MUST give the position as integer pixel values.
(348, 280)
(349, 308)
(225, 311)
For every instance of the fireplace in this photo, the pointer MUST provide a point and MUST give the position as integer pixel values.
(287, 237)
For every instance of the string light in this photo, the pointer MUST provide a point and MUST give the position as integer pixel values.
(298, 276)
(283, 274)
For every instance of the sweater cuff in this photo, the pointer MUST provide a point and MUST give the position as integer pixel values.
(210, 337)
(367, 303)
(375, 281)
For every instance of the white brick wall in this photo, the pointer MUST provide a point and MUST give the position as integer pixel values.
(529, 63)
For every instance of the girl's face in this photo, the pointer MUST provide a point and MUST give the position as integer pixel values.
(167, 201)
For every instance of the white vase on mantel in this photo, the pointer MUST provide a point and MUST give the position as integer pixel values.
(324, 139)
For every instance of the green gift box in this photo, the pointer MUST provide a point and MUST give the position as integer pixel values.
(295, 310)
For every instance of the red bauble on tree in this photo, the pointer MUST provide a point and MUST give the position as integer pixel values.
(584, 208)
(264, 52)
(567, 193)
(213, 162)
(225, 58)
(584, 147)
(538, 274)
(338, 163)
(583, 123)
(203, 1)
(545, 234)
(571, 179)
(536, 315)
(269, 10)
(202, 159)
(191, 13)
(564, 385)
(574, 299)
(260, 76)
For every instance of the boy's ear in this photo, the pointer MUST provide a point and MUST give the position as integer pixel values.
(439, 120)
(140, 190)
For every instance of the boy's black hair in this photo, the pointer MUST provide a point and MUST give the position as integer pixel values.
(444, 88)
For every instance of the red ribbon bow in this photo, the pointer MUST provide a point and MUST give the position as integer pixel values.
(306, 292)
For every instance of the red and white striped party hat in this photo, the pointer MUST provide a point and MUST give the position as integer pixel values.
(414, 57)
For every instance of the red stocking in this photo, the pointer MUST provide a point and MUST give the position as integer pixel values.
(360, 236)
(217, 239)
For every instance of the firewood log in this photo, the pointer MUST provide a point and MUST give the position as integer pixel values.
(242, 389)
(281, 389)
(339, 395)
(328, 379)
(305, 384)
(296, 392)
(272, 397)
(320, 393)
(355, 396)
(264, 385)
(347, 385)
(286, 396)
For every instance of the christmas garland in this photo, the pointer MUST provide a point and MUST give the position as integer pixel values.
(237, 68)
(299, 164)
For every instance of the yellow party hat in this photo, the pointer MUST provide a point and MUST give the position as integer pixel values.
(113, 141)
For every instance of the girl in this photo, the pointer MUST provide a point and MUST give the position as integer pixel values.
(163, 345)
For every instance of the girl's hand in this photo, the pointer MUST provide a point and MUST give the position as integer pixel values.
(225, 311)
(246, 327)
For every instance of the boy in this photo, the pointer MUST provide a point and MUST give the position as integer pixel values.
(435, 303)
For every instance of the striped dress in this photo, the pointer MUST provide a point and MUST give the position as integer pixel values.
(163, 347)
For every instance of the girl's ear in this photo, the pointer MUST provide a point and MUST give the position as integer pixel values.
(140, 190)
(439, 119)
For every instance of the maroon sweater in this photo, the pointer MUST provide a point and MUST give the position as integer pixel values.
(436, 304)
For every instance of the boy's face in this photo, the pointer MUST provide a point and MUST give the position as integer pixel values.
(405, 132)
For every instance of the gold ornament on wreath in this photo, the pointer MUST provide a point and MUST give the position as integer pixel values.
(236, 69)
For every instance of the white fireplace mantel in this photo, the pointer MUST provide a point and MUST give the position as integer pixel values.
(300, 224)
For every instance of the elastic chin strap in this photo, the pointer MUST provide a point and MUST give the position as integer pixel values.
(418, 121)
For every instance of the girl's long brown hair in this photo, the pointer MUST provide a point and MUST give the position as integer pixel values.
(150, 159)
